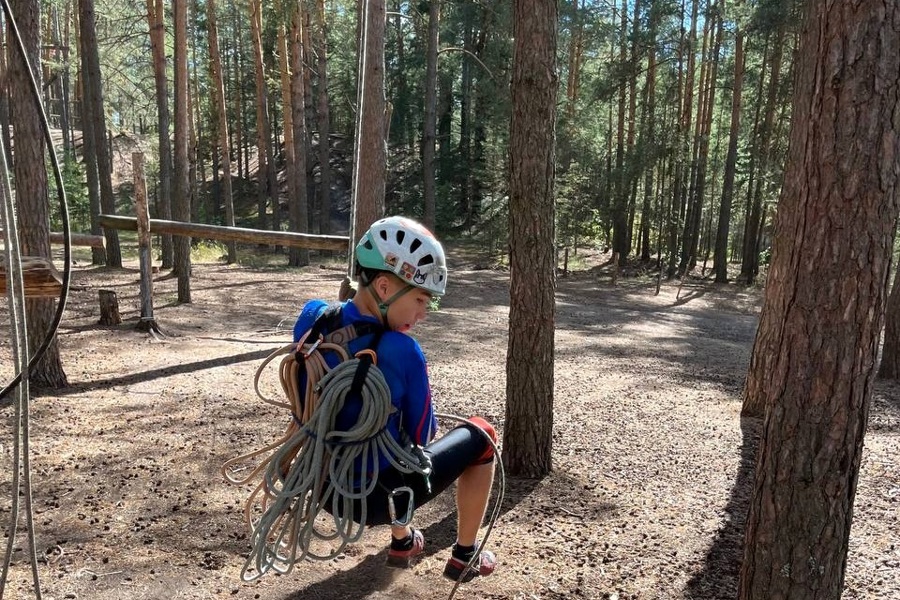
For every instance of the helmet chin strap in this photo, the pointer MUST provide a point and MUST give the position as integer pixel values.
(383, 305)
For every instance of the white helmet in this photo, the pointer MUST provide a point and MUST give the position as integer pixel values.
(407, 249)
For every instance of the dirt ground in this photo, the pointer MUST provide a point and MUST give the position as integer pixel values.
(651, 460)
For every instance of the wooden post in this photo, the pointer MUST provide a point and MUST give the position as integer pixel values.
(109, 307)
(147, 322)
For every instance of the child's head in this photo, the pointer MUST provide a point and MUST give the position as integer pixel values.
(402, 264)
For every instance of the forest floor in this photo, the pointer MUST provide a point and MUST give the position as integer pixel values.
(652, 462)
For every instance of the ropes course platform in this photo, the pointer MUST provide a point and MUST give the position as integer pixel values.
(42, 279)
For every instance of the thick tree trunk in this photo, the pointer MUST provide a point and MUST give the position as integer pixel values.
(31, 189)
(821, 321)
(93, 96)
(529, 367)
(428, 127)
(181, 206)
(371, 155)
(720, 257)
(215, 65)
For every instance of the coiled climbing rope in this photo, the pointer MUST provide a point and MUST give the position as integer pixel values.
(317, 464)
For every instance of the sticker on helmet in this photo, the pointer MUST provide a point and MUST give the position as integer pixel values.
(407, 270)
(390, 260)
(419, 277)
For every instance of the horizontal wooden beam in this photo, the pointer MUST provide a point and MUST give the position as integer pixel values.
(235, 234)
(79, 239)
(41, 278)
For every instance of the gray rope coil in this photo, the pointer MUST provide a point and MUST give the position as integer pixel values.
(317, 463)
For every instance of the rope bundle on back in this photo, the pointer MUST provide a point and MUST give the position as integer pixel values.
(315, 463)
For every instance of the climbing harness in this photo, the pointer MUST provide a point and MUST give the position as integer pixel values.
(21, 475)
(315, 463)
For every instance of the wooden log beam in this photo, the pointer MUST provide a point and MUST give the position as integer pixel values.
(80, 239)
(237, 234)
(41, 278)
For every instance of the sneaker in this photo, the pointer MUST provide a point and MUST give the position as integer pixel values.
(403, 559)
(458, 570)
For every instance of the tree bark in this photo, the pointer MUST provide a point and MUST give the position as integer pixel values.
(529, 368)
(31, 189)
(825, 296)
(215, 65)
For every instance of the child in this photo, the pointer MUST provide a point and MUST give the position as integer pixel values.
(400, 267)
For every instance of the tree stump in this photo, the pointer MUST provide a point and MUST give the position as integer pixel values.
(109, 307)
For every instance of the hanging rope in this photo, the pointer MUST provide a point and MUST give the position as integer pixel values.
(15, 293)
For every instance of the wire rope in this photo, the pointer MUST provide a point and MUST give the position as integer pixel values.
(22, 484)
(15, 293)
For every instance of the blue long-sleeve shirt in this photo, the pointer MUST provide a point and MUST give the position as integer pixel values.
(405, 370)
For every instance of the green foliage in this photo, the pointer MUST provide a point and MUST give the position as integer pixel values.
(76, 197)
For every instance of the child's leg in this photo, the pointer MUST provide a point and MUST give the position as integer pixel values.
(473, 490)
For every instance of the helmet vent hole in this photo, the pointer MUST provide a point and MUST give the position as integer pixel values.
(368, 245)
(425, 260)
(383, 234)
(415, 245)
(400, 235)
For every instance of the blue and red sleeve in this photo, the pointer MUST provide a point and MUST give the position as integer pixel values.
(419, 421)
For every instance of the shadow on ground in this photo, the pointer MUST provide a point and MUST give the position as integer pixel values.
(719, 577)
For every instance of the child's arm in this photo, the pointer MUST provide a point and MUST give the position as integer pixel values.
(419, 421)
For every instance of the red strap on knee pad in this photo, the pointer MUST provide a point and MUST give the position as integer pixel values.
(488, 454)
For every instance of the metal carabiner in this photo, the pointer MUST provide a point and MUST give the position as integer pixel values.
(392, 509)
(313, 346)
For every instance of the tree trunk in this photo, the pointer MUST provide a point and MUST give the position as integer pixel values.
(890, 354)
(263, 128)
(529, 367)
(155, 16)
(371, 154)
(824, 303)
(720, 257)
(428, 127)
(299, 212)
(750, 264)
(181, 207)
(89, 154)
(648, 131)
(215, 65)
(94, 97)
(324, 120)
(706, 133)
(31, 189)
